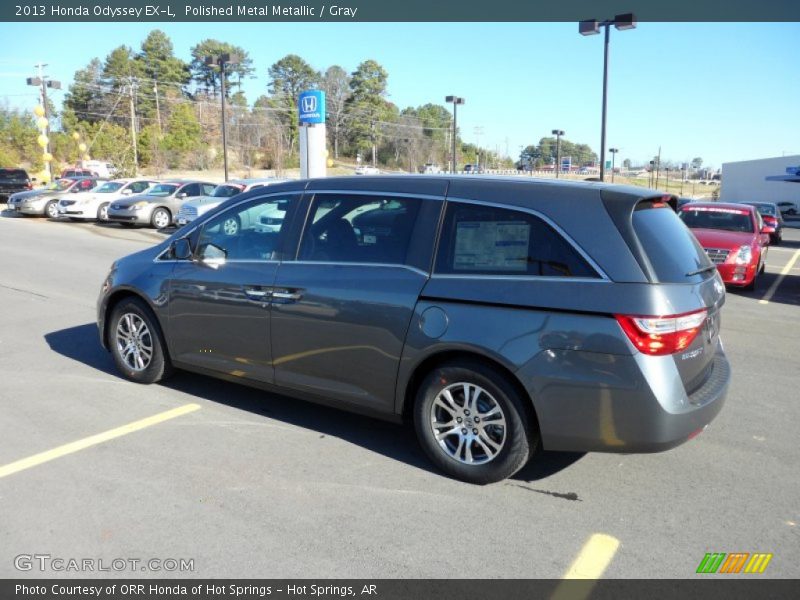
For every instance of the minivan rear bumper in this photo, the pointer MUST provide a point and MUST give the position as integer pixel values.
(627, 404)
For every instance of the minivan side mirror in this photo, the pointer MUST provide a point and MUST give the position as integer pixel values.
(181, 249)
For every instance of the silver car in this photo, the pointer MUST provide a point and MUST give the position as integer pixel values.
(45, 201)
(159, 206)
(192, 209)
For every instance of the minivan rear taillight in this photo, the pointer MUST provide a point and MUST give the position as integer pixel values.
(659, 336)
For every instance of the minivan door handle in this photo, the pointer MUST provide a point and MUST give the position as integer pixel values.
(286, 295)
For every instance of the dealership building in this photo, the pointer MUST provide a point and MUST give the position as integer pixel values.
(764, 180)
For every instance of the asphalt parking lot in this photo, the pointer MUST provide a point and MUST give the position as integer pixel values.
(248, 484)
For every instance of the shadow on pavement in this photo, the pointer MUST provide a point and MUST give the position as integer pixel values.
(81, 344)
(397, 442)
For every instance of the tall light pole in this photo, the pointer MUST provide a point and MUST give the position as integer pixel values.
(221, 60)
(455, 100)
(592, 27)
(558, 133)
(43, 82)
(613, 161)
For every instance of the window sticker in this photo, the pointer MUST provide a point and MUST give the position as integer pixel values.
(498, 245)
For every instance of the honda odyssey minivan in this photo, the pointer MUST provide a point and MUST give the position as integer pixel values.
(498, 315)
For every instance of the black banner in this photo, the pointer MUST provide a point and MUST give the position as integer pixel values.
(397, 11)
(749, 587)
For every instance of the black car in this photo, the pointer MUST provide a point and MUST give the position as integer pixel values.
(772, 217)
(12, 181)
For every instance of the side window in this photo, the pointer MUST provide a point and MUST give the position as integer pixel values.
(208, 189)
(497, 241)
(193, 189)
(137, 187)
(355, 228)
(247, 232)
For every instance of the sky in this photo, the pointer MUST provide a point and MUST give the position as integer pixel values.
(720, 91)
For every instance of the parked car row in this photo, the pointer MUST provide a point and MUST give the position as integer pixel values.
(129, 202)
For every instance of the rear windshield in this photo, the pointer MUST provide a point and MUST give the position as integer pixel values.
(10, 174)
(671, 248)
(724, 219)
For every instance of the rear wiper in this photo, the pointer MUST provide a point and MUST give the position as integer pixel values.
(703, 270)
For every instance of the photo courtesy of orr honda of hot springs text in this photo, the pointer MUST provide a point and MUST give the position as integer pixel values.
(499, 316)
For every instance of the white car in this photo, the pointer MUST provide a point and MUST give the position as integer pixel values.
(367, 170)
(93, 205)
(199, 206)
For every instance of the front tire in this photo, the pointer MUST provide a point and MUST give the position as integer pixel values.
(102, 213)
(473, 423)
(136, 342)
(160, 218)
(51, 209)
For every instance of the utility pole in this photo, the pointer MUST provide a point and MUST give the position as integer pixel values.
(374, 149)
(558, 133)
(44, 82)
(132, 87)
(158, 107)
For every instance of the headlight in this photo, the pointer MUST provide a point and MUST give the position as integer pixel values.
(744, 255)
(138, 206)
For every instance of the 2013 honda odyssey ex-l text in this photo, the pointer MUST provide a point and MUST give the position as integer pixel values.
(498, 315)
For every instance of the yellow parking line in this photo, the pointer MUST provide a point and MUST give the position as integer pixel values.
(47, 456)
(594, 557)
(590, 564)
(784, 272)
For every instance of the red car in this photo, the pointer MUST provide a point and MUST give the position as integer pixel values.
(734, 237)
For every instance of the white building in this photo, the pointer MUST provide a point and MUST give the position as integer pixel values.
(763, 180)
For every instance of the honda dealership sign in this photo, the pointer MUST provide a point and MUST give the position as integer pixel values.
(311, 107)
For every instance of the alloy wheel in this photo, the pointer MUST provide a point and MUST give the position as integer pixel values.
(468, 423)
(134, 341)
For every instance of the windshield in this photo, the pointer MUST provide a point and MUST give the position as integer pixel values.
(110, 186)
(766, 209)
(61, 185)
(162, 189)
(226, 191)
(724, 219)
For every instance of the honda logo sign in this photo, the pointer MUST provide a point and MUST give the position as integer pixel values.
(311, 107)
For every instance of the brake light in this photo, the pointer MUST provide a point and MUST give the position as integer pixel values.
(29, 185)
(660, 336)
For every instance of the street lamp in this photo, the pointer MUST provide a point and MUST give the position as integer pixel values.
(558, 133)
(613, 161)
(221, 60)
(455, 100)
(592, 27)
(43, 82)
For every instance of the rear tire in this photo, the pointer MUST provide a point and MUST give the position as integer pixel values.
(480, 440)
(136, 342)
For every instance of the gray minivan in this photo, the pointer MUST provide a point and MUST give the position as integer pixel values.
(498, 314)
